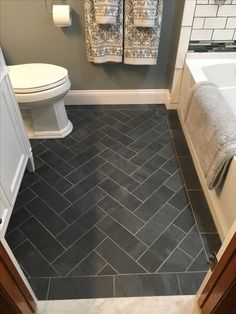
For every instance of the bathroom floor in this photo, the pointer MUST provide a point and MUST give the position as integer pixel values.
(114, 209)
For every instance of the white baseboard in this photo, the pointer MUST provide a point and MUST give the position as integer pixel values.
(118, 97)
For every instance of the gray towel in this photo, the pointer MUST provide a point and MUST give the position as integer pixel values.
(211, 124)
(104, 42)
(144, 12)
(106, 11)
(141, 44)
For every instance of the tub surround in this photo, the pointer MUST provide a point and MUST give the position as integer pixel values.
(222, 200)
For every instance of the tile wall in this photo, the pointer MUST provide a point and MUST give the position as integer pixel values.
(202, 20)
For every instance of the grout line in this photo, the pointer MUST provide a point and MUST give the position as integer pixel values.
(49, 286)
(202, 250)
(178, 280)
(114, 286)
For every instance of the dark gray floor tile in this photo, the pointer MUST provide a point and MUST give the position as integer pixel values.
(85, 203)
(202, 212)
(95, 107)
(161, 248)
(142, 129)
(178, 261)
(192, 243)
(119, 176)
(82, 225)
(146, 285)
(118, 136)
(126, 240)
(47, 217)
(175, 182)
(167, 152)
(48, 246)
(190, 282)
(180, 144)
(119, 116)
(50, 196)
(147, 153)
(81, 288)
(81, 146)
(171, 165)
(189, 173)
(33, 262)
(58, 181)
(24, 197)
(143, 116)
(85, 170)
(120, 194)
(40, 287)
(200, 263)
(117, 147)
(151, 184)
(173, 120)
(39, 149)
(68, 141)
(107, 270)
(86, 155)
(91, 265)
(84, 132)
(211, 242)
(59, 149)
(159, 222)
(18, 218)
(121, 214)
(78, 251)
(142, 173)
(164, 139)
(154, 203)
(15, 238)
(78, 190)
(116, 124)
(131, 107)
(56, 163)
(185, 220)
(118, 161)
(144, 140)
(180, 199)
(118, 259)
(162, 125)
(28, 179)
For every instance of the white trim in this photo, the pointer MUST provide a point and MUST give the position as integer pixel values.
(118, 97)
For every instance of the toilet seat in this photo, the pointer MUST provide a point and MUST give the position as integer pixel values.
(36, 77)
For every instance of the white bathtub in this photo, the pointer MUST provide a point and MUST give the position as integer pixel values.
(219, 68)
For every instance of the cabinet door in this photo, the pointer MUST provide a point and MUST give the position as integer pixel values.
(13, 154)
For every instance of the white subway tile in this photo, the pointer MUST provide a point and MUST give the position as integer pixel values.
(198, 22)
(183, 46)
(201, 34)
(227, 10)
(223, 34)
(235, 35)
(206, 10)
(234, 2)
(231, 22)
(226, 2)
(215, 22)
(202, 1)
(189, 8)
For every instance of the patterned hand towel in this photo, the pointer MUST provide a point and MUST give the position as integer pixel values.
(144, 12)
(106, 11)
(104, 42)
(141, 43)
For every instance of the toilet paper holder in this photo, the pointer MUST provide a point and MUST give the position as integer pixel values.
(62, 14)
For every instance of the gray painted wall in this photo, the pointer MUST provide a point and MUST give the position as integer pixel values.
(29, 35)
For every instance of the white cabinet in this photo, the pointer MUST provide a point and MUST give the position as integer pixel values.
(15, 148)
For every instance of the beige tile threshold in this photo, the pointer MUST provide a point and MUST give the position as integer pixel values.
(140, 305)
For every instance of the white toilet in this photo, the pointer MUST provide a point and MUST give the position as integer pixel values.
(39, 89)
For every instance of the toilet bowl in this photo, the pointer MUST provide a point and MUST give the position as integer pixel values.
(39, 89)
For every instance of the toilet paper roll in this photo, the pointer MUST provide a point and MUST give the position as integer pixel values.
(61, 15)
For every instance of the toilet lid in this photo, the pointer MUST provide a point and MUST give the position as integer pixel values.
(35, 77)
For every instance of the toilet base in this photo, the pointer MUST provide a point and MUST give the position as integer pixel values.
(48, 134)
(46, 121)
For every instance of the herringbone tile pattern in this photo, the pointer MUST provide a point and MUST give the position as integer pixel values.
(107, 209)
